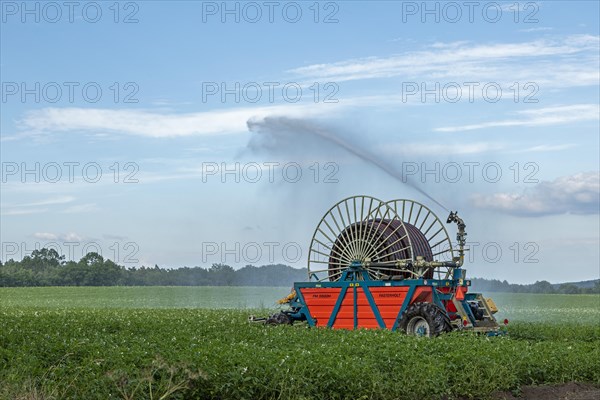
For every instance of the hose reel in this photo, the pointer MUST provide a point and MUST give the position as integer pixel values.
(399, 239)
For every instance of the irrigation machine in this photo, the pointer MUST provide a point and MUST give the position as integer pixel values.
(388, 265)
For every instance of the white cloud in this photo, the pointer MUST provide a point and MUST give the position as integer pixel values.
(9, 138)
(153, 124)
(45, 236)
(81, 208)
(50, 201)
(72, 237)
(575, 194)
(548, 147)
(567, 61)
(62, 237)
(34, 207)
(573, 60)
(436, 149)
(537, 117)
(24, 211)
(536, 29)
(456, 149)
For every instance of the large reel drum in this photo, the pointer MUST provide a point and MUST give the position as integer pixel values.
(378, 235)
(431, 228)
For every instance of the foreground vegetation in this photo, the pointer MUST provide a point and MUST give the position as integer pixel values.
(128, 353)
(77, 346)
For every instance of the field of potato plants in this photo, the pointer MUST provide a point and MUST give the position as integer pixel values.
(182, 343)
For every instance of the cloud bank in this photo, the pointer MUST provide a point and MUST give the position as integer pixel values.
(575, 194)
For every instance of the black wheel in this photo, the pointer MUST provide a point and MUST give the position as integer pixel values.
(425, 319)
(279, 319)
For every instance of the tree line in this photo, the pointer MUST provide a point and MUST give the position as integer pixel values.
(495, 285)
(45, 267)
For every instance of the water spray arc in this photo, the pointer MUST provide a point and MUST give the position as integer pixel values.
(278, 127)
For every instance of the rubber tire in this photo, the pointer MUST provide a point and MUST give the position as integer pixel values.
(436, 318)
(279, 319)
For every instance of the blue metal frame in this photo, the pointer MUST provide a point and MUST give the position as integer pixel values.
(355, 277)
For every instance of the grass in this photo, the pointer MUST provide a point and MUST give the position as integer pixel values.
(143, 297)
(563, 308)
(515, 306)
(83, 347)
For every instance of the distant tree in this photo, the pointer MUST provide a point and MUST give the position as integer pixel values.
(74, 274)
(108, 273)
(92, 259)
(542, 287)
(42, 259)
(568, 288)
(593, 290)
(221, 275)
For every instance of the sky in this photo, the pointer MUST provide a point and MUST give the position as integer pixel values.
(175, 133)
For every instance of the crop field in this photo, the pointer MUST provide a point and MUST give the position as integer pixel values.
(176, 343)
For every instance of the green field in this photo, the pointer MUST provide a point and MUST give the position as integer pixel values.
(143, 297)
(195, 342)
(514, 306)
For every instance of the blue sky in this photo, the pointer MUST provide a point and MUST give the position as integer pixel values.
(169, 132)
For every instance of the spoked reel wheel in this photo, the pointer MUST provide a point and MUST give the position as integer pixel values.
(433, 243)
(359, 229)
(377, 235)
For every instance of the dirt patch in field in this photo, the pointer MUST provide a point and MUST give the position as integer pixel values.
(566, 391)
